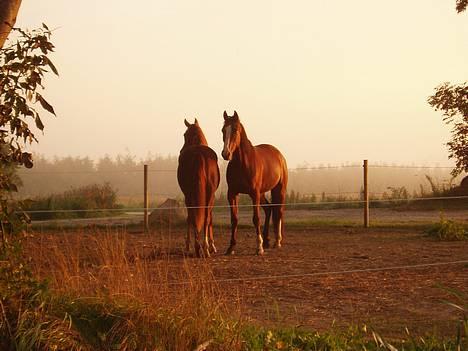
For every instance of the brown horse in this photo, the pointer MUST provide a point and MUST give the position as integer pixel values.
(198, 177)
(254, 170)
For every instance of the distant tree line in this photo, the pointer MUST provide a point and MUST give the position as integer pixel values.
(125, 174)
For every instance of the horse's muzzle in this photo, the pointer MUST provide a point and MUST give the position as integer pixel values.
(226, 155)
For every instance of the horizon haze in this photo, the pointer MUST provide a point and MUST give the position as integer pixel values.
(325, 82)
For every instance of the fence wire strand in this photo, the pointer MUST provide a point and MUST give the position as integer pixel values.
(350, 202)
(150, 170)
(325, 273)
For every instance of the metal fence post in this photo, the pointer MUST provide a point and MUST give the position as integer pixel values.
(366, 195)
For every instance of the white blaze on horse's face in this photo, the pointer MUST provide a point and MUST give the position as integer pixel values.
(227, 154)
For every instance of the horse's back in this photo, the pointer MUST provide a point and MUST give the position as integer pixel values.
(268, 170)
(270, 154)
(273, 162)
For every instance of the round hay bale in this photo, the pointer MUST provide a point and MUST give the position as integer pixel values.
(464, 183)
(460, 190)
(171, 211)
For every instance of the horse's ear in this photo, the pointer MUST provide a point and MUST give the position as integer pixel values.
(196, 122)
(187, 124)
(225, 115)
(236, 115)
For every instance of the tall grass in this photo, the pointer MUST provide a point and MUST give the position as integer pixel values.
(116, 295)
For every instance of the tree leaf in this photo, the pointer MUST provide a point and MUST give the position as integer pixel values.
(51, 65)
(39, 123)
(45, 104)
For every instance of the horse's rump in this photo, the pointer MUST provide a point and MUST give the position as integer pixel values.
(198, 177)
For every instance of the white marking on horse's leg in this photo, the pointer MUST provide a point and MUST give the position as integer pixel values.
(227, 139)
(280, 233)
(206, 246)
(259, 244)
(279, 236)
(212, 245)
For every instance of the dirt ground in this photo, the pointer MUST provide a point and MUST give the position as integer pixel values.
(308, 282)
(388, 299)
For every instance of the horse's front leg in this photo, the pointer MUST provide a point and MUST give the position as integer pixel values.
(256, 222)
(233, 202)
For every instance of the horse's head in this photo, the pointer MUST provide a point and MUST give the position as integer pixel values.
(194, 135)
(231, 135)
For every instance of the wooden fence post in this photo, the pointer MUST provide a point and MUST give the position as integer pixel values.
(146, 199)
(366, 195)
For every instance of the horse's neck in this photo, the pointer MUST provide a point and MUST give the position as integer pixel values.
(201, 140)
(245, 151)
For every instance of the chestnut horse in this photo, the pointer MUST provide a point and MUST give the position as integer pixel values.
(198, 177)
(254, 170)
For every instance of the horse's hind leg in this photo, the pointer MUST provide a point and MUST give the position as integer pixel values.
(266, 227)
(198, 246)
(210, 227)
(188, 238)
(189, 231)
(206, 248)
(278, 195)
(206, 231)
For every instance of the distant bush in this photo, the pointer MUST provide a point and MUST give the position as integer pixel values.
(440, 190)
(448, 230)
(74, 203)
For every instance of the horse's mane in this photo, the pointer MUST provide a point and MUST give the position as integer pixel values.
(244, 139)
(194, 136)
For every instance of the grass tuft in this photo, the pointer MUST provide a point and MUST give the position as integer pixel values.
(447, 229)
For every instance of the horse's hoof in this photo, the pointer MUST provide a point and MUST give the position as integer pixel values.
(213, 249)
(229, 252)
(198, 252)
(266, 244)
(277, 245)
(260, 252)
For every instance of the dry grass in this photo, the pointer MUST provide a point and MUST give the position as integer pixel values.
(184, 305)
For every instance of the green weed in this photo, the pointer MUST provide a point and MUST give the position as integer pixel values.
(447, 229)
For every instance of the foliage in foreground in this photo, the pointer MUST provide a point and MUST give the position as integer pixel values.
(50, 323)
(23, 66)
(453, 101)
(349, 340)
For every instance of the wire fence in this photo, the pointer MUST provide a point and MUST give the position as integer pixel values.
(174, 170)
(318, 204)
(364, 198)
(323, 273)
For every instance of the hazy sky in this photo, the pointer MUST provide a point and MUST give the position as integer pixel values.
(324, 81)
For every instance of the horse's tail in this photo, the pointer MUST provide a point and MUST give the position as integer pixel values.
(199, 202)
